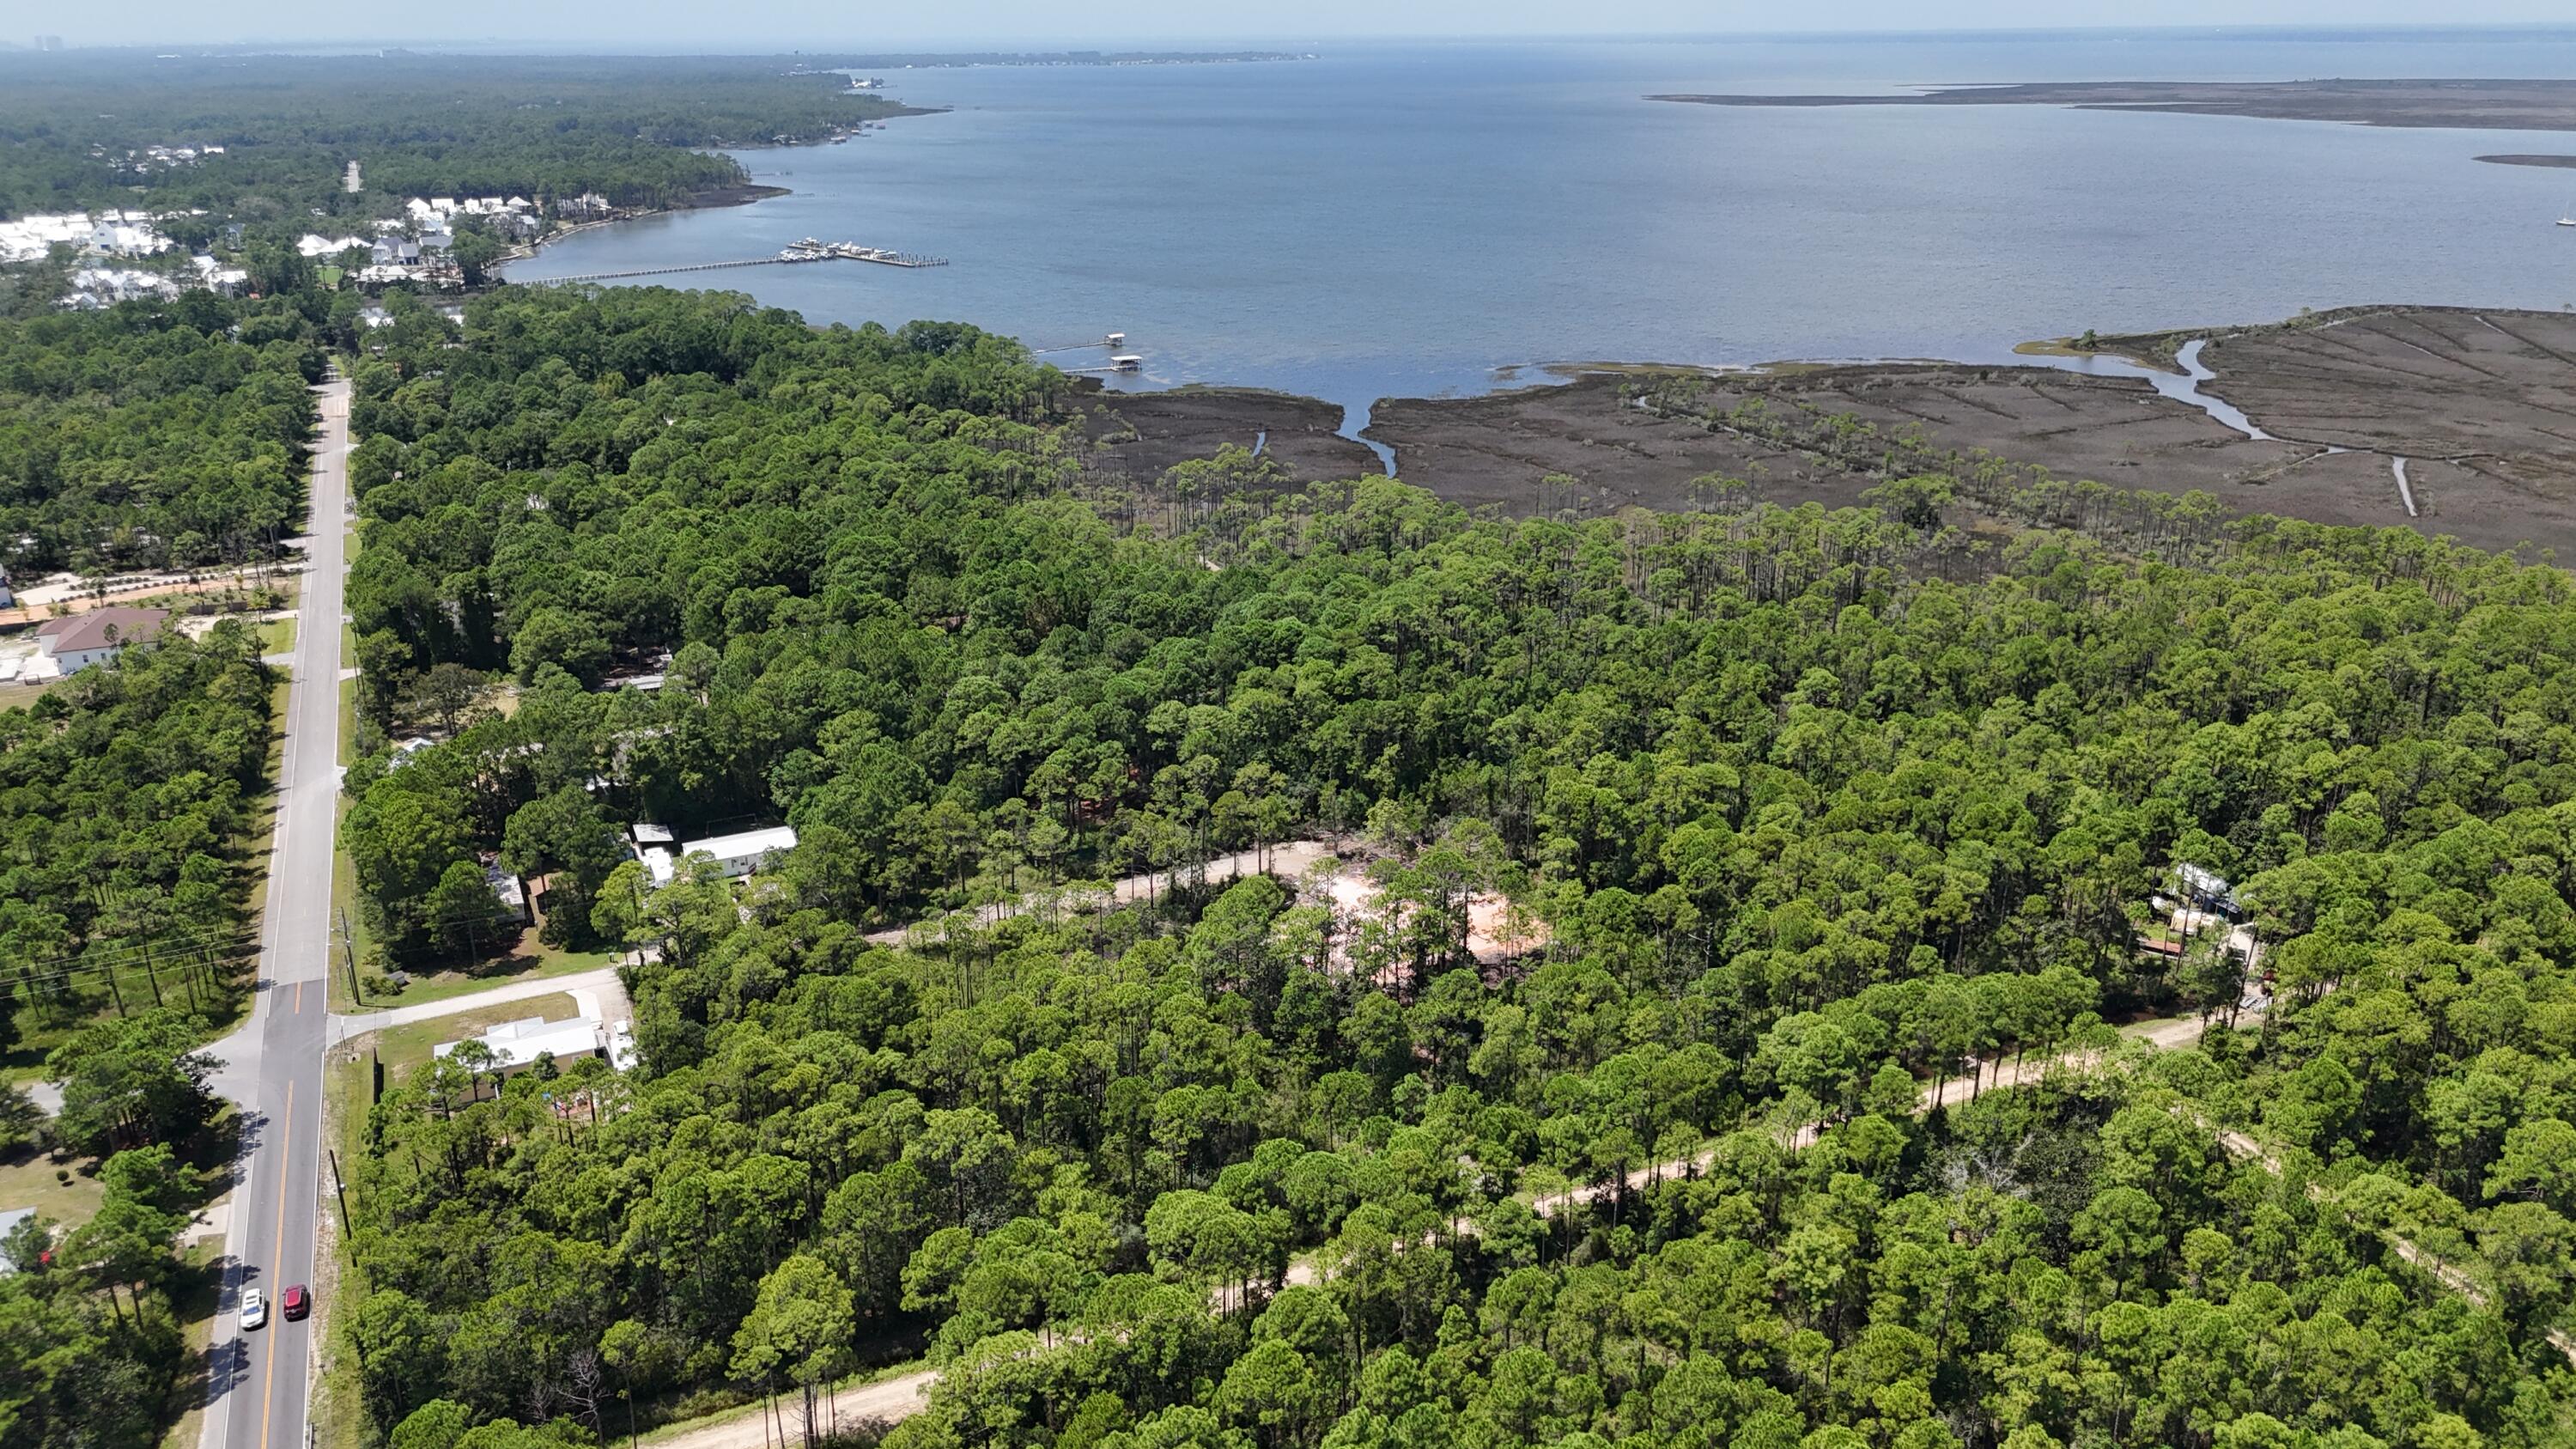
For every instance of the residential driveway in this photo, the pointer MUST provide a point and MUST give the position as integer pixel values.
(600, 986)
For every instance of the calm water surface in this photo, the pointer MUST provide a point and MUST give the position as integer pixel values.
(1387, 221)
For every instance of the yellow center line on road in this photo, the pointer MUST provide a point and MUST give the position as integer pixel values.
(267, 1400)
(299, 1011)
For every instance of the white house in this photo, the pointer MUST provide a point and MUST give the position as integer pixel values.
(76, 643)
(510, 891)
(216, 276)
(740, 855)
(516, 1045)
(127, 239)
(2206, 888)
(735, 855)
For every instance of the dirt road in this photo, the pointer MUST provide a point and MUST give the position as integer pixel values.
(886, 1400)
(898, 1398)
(1287, 860)
(2162, 1034)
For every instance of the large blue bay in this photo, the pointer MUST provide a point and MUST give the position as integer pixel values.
(1418, 221)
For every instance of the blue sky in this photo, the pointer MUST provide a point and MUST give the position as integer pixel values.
(769, 24)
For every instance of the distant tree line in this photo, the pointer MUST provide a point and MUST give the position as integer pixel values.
(642, 132)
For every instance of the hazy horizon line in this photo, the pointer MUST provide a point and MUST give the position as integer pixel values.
(1222, 45)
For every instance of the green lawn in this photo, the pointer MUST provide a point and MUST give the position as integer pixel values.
(27, 1180)
(348, 711)
(194, 1291)
(339, 1419)
(18, 696)
(344, 911)
(27, 1177)
(277, 636)
(405, 1048)
(532, 961)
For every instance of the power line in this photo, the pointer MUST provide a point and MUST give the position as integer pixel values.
(135, 958)
(136, 949)
(127, 963)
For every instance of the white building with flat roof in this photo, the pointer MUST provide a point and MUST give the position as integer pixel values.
(736, 855)
(516, 1045)
(740, 855)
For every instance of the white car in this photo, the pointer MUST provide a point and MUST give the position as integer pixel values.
(254, 1310)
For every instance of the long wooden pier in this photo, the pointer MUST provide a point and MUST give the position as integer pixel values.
(795, 256)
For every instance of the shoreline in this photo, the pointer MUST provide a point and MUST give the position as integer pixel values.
(742, 193)
(2466, 104)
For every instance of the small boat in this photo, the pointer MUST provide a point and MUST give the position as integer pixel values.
(2568, 217)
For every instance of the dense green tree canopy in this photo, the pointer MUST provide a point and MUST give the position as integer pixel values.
(149, 437)
(1812, 818)
(127, 797)
(91, 1345)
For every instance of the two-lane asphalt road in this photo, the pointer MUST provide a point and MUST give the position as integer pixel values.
(273, 1067)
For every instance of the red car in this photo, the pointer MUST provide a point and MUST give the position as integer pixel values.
(296, 1303)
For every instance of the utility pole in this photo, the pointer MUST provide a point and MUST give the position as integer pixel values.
(349, 957)
(348, 1225)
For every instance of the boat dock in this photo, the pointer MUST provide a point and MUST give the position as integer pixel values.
(1112, 342)
(1119, 361)
(798, 253)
